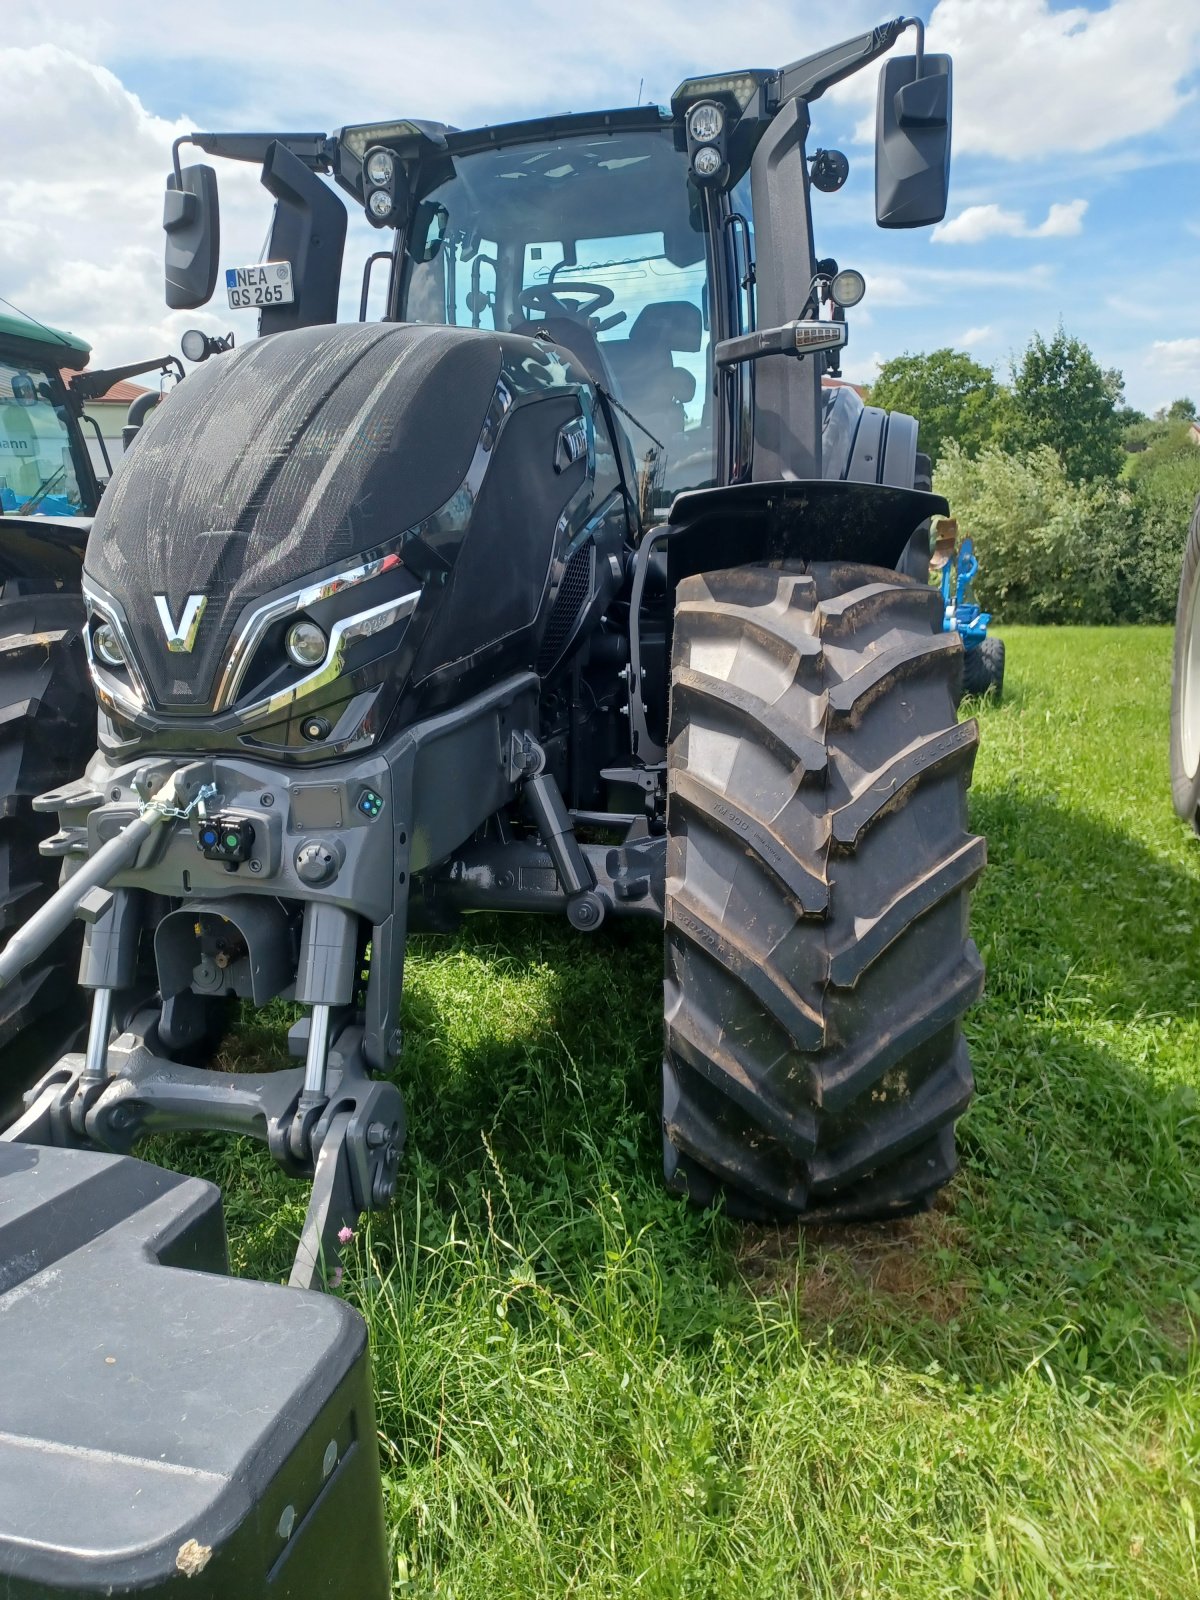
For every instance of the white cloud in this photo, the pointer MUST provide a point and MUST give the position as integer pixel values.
(974, 336)
(1176, 356)
(1031, 80)
(976, 223)
(863, 369)
(892, 289)
(1063, 221)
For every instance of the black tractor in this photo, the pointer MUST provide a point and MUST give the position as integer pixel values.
(565, 586)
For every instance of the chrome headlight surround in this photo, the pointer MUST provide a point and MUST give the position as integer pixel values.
(250, 633)
(362, 625)
(120, 689)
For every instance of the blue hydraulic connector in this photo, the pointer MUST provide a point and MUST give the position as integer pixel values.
(963, 616)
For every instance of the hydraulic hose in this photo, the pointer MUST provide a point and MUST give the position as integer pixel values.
(56, 916)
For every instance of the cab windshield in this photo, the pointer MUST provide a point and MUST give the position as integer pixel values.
(601, 239)
(37, 471)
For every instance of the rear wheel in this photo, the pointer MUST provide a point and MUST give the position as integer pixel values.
(47, 734)
(818, 869)
(1185, 684)
(983, 668)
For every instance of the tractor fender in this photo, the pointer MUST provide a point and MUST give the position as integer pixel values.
(794, 520)
(47, 549)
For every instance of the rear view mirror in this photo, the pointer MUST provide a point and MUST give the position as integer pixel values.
(192, 224)
(429, 230)
(912, 141)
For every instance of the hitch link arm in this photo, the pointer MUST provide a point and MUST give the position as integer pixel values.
(57, 915)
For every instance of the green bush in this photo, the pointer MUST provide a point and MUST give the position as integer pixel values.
(1035, 533)
(1051, 550)
(1166, 483)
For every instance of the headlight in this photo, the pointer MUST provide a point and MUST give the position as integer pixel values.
(381, 168)
(847, 287)
(380, 203)
(707, 161)
(107, 646)
(705, 122)
(194, 344)
(306, 644)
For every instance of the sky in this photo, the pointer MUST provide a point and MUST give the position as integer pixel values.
(1075, 184)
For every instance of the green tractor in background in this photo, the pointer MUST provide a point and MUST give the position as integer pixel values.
(49, 491)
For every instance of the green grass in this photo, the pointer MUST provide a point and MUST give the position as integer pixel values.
(586, 1389)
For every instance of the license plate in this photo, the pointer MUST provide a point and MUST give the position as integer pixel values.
(267, 284)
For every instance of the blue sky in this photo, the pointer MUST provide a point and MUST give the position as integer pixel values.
(1075, 190)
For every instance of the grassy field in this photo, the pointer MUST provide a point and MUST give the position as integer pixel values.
(584, 1389)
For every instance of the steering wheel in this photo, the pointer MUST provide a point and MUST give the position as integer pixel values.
(544, 297)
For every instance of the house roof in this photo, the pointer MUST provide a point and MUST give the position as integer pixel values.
(844, 383)
(123, 393)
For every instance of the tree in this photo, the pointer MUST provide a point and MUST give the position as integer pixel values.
(951, 396)
(1182, 410)
(1062, 398)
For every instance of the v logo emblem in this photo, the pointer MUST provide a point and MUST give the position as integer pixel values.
(183, 635)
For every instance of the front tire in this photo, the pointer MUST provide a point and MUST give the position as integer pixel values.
(818, 869)
(1185, 684)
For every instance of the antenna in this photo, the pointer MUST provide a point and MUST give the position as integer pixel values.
(28, 315)
(641, 86)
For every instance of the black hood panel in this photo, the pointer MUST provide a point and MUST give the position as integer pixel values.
(278, 459)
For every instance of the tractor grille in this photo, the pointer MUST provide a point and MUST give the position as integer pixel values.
(570, 600)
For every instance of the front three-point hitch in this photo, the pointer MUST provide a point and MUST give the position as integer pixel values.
(327, 1120)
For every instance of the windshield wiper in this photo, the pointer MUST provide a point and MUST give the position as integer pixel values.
(40, 493)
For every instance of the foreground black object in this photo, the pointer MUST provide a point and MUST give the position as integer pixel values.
(165, 1429)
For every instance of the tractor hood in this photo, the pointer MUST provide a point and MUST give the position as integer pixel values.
(329, 474)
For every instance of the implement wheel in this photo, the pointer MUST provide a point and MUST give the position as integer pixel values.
(983, 668)
(818, 871)
(1185, 684)
(47, 735)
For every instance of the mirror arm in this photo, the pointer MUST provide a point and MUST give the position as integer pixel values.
(88, 385)
(809, 78)
(316, 150)
(919, 48)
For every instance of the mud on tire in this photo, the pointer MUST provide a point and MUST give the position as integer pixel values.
(818, 871)
(47, 734)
